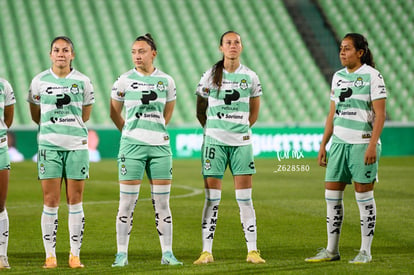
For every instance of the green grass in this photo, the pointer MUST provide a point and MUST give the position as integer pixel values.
(290, 210)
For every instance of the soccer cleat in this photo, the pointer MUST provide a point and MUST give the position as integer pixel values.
(4, 263)
(74, 261)
(169, 259)
(205, 258)
(323, 256)
(361, 258)
(121, 259)
(254, 257)
(50, 263)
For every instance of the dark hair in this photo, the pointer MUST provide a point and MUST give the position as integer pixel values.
(217, 71)
(65, 38)
(147, 38)
(361, 43)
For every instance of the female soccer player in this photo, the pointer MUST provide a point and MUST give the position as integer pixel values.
(149, 98)
(355, 122)
(7, 102)
(228, 100)
(61, 101)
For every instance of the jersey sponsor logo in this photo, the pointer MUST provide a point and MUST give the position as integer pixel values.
(231, 95)
(346, 113)
(229, 116)
(346, 92)
(148, 96)
(62, 99)
(366, 135)
(62, 119)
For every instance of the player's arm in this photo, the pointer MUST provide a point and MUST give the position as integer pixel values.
(379, 109)
(168, 111)
(326, 135)
(202, 104)
(35, 112)
(254, 110)
(8, 115)
(86, 112)
(115, 113)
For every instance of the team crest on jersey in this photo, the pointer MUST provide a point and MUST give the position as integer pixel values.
(359, 82)
(243, 84)
(160, 86)
(207, 164)
(74, 89)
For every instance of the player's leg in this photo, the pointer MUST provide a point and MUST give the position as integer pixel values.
(50, 171)
(76, 171)
(336, 178)
(4, 219)
(159, 172)
(131, 167)
(214, 162)
(242, 167)
(365, 176)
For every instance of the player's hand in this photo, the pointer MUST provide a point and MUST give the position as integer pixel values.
(322, 157)
(370, 155)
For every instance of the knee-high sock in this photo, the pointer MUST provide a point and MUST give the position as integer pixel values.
(367, 210)
(4, 232)
(128, 197)
(247, 217)
(334, 218)
(76, 227)
(209, 218)
(49, 223)
(163, 220)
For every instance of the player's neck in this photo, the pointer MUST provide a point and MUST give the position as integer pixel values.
(61, 72)
(145, 71)
(231, 65)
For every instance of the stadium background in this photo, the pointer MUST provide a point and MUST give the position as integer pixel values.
(291, 44)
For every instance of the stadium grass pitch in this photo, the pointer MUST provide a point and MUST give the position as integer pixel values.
(291, 222)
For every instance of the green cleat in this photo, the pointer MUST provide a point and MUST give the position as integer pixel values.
(121, 259)
(169, 259)
(323, 256)
(361, 258)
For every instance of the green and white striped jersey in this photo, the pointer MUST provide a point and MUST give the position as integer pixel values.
(229, 108)
(6, 99)
(144, 98)
(61, 100)
(353, 94)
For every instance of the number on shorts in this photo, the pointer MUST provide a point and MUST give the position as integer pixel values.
(210, 152)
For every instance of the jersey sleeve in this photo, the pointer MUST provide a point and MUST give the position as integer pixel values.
(203, 87)
(117, 92)
(89, 97)
(34, 93)
(9, 94)
(378, 90)
(256, 86)
(172, 90)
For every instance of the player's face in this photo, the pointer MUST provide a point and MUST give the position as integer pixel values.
(61, 54)
(349, 56)
(231, 46)
(142, 56)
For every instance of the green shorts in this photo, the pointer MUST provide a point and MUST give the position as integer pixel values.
(346, 164)
(4, 158)
(63, 164)
(134, 160)
(215, 159)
